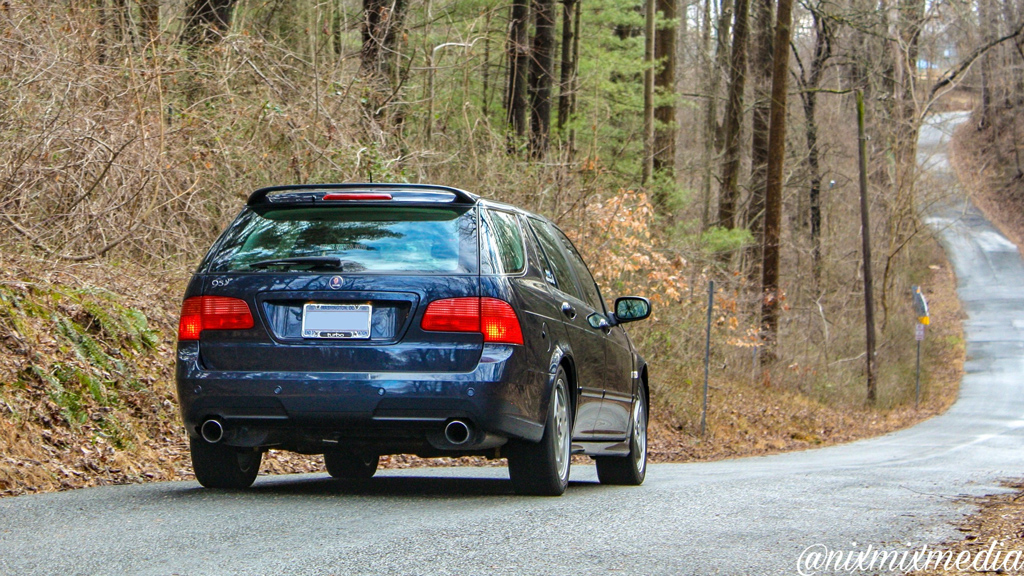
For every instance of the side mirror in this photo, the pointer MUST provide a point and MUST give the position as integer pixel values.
(631, 308)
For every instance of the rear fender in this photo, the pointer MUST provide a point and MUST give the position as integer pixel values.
(561, 354)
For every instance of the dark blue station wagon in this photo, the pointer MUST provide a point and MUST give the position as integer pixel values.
(355, 320)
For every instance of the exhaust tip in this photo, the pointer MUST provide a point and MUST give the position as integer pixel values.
(457, 432)
(212, 431)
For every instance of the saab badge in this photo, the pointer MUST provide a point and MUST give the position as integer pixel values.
(335, 282)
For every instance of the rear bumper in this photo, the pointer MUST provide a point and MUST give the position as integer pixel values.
(383, 411)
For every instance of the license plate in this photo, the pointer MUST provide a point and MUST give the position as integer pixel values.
(336, 320)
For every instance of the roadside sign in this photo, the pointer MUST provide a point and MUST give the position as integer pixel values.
(920, 306)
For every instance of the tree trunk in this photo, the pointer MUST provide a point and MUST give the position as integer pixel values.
(665, 82)
(379, 56)
(988, 33)
(761, 76)
(487, 67)
(519, 61)
(567, 70)
(382, 27)
(574, 84)
(541, 76)
(721, 60)
(149, 11)
(809, 87)
(710, 88)
(712, 141)
(729, 194)
(207, 21)
(771, 296)
(336, 28)
(649, 32)
(122, 19)
(103, 15)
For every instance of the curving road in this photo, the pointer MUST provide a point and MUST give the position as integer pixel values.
(749, 516)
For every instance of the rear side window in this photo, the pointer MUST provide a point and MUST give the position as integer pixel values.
(365, 239)
(559, 265)
(506, 239)
(587, 284)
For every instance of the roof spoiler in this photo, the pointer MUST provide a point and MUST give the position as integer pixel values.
(461, 196)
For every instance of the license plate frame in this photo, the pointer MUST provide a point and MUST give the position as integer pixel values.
(336, 321)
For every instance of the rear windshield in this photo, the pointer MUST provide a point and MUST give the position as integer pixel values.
(362, 238)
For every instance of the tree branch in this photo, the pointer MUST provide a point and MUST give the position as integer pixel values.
(955, 73)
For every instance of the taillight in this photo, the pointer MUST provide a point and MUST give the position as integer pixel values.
(498, 322)
(452, 315)
(494, 318)
(212, 313)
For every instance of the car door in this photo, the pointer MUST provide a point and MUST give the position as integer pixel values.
(618, 384)
(587, 343)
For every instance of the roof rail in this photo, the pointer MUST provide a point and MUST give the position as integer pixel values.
(461, 196)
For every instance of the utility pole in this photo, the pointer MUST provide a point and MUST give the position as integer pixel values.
(869, 298)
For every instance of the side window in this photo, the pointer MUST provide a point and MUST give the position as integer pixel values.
(489, 261)
(508, 240)
(559, 265)
(590, 292)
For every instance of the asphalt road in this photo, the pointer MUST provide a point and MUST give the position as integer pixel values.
(748, 516)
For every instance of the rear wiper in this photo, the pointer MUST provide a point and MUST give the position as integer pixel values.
(312, 261)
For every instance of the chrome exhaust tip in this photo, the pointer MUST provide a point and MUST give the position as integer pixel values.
(212, 431)
(457, 432)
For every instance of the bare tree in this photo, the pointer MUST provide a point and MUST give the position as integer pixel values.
(382, 29)
(664, 81)
(567, 70)
(206, 21)
(771, 295)
(729, 192)
(122, 21)
(761, 76)
(809, 79)
(712, 80)
(337, 26)
(519, 58)
(649, 32)
(988, 24)
(149, 11)
(541, 75)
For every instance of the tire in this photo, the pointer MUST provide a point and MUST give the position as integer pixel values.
(224, 467)
(345, 465)
(542, 468)
(632, 469)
